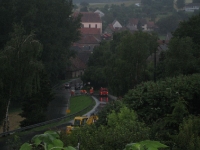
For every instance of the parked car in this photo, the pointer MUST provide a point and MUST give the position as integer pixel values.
(103, 92)
(67, 85)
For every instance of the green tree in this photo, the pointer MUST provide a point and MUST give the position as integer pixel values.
(167, 24)
(181, 57)
(196, 1)
(188, 137)
(180, 3)
(153, 101)
(84, 4)
(128, 65)
(189, 28)
(96, 64)
(122, 128)
(34, 107)
(20, 66)
(55, 27)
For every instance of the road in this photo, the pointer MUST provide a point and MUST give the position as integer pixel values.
(57, 108)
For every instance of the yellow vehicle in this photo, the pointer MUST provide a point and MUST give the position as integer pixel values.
(81, 121)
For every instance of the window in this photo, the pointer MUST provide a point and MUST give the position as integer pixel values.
(95, 25)
(89, 26)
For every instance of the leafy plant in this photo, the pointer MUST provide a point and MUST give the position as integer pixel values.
(47, 141)
(145, 145)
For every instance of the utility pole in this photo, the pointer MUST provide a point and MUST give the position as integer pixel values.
(155, 65)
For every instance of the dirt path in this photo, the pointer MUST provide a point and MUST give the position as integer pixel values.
(15, 119)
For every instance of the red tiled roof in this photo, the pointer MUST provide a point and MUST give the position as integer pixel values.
(133, 21)
(88, 16)
(111, 27)
(150, 24)
(92, 31)
(88, 39)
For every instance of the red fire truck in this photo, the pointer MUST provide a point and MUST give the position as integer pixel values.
(103, 92)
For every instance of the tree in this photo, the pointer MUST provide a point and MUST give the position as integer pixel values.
(196, 1)
(128, 65)
(84, 4)
(96, 64)
(54, 26)
(34, 107)
(167, 24)
(189, 28)
(20, 66)
(146, 2)
(153, 101)
(120, 125)
(180, 3)
(181, 57)
(84, 9)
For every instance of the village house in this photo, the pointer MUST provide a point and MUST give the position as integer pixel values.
(191, 7)
(76, 68)
(115, 26)
(134, 24)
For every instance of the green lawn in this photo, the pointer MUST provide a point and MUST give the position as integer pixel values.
(101, 5)
(78, 103)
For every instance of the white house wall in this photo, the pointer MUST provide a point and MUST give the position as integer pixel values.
(92, 25)
(117, 25)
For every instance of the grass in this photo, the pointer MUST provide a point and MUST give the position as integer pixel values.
(188, 1)
(78, 103)
(101, 5)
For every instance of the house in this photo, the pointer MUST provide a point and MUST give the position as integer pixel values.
(191, 7)
(106, 36)
(88, 42)
(91, 31)
(115, 26)
(162, 46)
(101, 14)
(90, 20)
(134, 24)
(76, 68)
(143, 24)
(151, 26)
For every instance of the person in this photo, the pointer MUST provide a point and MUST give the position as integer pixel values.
(91, 91)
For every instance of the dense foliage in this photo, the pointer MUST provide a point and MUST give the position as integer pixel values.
(35, 37)
(154, 100)
(122, 128)
(122, 61)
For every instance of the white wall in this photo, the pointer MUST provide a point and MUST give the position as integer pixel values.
(92, 25)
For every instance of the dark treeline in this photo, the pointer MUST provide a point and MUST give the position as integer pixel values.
(35, 40)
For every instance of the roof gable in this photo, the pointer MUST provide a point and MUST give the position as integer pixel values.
(90, 17)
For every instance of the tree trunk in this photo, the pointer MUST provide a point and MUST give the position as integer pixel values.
(6, 123)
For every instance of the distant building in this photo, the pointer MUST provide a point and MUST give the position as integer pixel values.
(115, 26)
(191, 7)
(134, 24)
(101, 14)
(91, 31)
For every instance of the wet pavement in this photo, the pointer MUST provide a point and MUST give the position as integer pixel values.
(58, 107)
